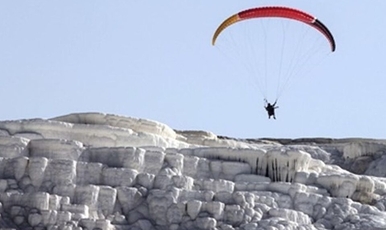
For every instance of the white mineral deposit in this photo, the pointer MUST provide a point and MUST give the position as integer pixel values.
(104, 171)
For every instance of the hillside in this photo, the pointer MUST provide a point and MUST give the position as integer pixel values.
(104, 171)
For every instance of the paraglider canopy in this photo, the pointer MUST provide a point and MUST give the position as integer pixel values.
(276, 11)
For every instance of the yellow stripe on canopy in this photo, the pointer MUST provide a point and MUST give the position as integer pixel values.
(229, 21)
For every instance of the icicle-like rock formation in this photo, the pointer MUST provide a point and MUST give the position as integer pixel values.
(276, 163)
(102, 171)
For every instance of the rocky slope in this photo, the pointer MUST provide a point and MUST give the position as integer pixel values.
(103, 171)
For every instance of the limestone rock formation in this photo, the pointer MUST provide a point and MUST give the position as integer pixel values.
(103, 171)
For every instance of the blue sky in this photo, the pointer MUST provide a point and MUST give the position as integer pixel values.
(154, 60)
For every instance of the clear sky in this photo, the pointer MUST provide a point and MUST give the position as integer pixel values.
(154, 60)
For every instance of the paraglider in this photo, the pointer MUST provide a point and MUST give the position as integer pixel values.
(256, 45)
(270, 109)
